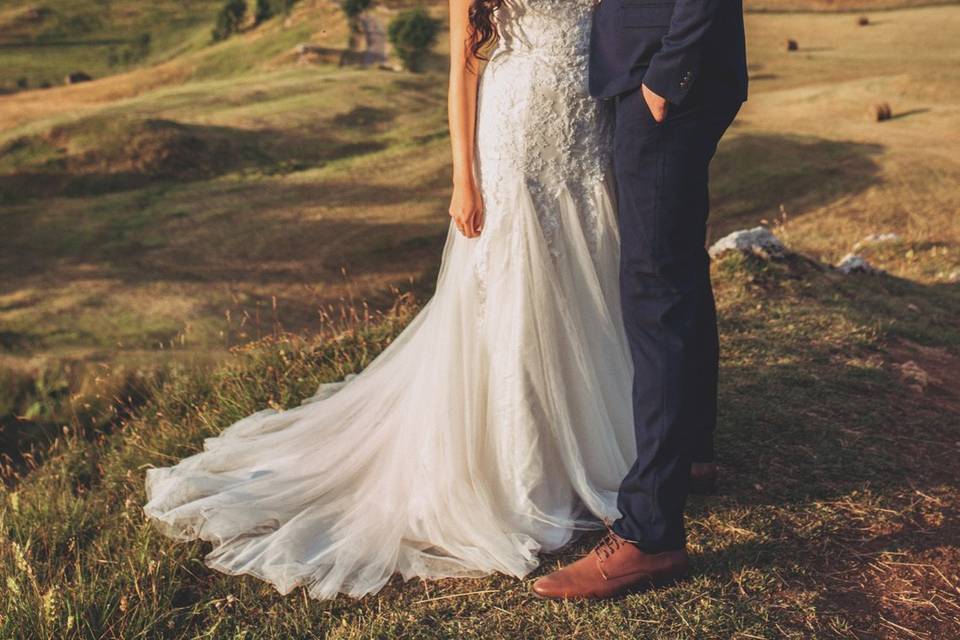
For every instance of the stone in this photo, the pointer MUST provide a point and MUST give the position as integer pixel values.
(758, 241)
(853, 263)
(876, 238)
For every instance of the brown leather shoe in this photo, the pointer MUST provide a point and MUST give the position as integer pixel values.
(614, 567)
(703, 478)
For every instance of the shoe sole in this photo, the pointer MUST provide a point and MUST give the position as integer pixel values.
(638, 587)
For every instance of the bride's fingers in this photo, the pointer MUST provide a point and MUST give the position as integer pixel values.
(472, 225)
(476, 223)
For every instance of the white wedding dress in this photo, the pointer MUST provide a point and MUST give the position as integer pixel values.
(499, 422)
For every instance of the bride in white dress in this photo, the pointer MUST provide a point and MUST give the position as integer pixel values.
(499, 423)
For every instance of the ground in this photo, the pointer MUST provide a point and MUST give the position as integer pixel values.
(158, 218)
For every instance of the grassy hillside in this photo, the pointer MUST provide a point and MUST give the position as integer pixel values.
(208, 199)
(157, 218)
(837, 517)
(42, 41)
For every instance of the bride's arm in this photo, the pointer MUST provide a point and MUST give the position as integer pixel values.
(466, 204)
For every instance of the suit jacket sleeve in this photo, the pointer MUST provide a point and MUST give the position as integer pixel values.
(675, 68)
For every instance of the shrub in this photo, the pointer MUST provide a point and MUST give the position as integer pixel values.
(267, 9)
(354, 8)
(412, 34)
(230, 19)
(792, 45)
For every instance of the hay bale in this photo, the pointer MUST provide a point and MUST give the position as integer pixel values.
(881, 111)
(793, 45)
(863, 21)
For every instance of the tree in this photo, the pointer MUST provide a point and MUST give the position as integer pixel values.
(230, 19)
(267, 9)
(412, 34)
(353, 9)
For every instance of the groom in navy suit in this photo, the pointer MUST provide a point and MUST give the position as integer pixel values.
(676, 71)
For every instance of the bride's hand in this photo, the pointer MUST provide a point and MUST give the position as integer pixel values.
(466, 208)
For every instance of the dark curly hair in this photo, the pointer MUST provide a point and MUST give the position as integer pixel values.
(483, 29)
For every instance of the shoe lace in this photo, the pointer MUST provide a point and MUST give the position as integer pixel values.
(608, 545)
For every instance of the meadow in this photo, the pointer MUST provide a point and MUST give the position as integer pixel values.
(212, 229)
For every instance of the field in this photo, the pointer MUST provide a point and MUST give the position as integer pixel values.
(158, 220)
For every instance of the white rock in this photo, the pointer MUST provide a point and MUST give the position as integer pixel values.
(759, 241)
(853, 263)
(876, 238)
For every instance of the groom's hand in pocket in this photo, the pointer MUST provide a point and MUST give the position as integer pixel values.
(658, 105)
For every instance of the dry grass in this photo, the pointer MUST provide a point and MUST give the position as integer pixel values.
(838, 514)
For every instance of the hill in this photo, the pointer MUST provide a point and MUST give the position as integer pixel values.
(156, 219)
(41, 42)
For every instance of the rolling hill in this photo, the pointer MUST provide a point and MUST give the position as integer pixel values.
(214, 228)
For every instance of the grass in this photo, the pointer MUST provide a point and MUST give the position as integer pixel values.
(826, 525)
(159, 220)
(41, 42)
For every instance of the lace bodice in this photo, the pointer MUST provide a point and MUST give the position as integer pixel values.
(538, 128)
(556, 29)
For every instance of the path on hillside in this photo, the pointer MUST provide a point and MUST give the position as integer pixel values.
(375, 37)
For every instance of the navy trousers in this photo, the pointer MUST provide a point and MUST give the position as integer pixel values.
(662, 173)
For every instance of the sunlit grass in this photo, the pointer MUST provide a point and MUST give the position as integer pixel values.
(124, 284)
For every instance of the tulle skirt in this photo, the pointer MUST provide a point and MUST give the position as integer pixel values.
(495, 427)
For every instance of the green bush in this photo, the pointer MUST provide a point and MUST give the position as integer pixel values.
(230, 19)
(354, 8)
(412, 34)
(267, 9)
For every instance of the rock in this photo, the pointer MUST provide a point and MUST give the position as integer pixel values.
(876, 238)
(792, 45)
(853, 263)
(758, 241)
(77, 77)
(881, 111)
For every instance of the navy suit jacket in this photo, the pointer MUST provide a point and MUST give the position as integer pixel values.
(669, 45)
